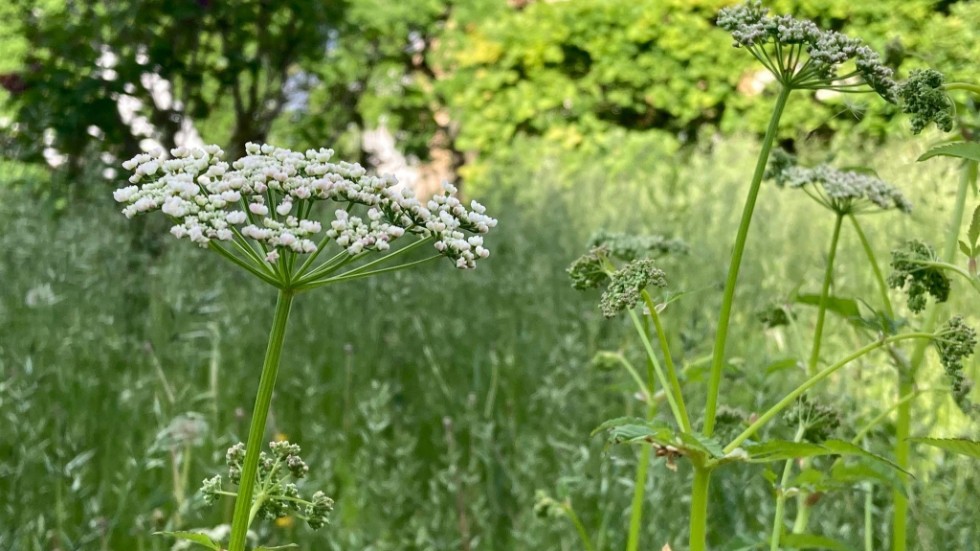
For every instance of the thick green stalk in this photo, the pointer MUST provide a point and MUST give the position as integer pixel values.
(636, 508)
(698, 540)
(906, 380)
(724, 317)
(256, 432)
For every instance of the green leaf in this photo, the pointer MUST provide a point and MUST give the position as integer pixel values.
(964, 248)
(782, 364)
(844, 307)
(962, 150)
(962, 446)
(974, 232)
(779, 450)
(705, 444)
(813, 541)
(618, 422)
(193, 537)
(287, 546)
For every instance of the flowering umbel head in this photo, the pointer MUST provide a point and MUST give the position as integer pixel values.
(623, 287)
(842, 191)
(265, 203)
(801, 55)
(279, 496)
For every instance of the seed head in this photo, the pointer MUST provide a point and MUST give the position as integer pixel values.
(588, 271)
(955, 342)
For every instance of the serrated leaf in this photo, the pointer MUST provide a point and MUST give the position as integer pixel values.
(841, 447)
(813, 541)
(964, 248)
(618, 422)
(961, 150)
(974, 232)
(962, 446)
(844, 307)
(702, 443)
(780, 450)
(194, 537)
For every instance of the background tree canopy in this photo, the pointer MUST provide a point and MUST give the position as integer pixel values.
(454, 80)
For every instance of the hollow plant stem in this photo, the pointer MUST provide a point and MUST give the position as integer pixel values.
(906, 380)
(724, 316)
(699, 508)
(263, 399)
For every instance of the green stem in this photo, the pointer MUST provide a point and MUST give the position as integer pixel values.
(869, 518)
(777, 523)
(579, 527)
(639, 489)
(263, 399)
(813, 381)
(675, 384)
(658, 370)
(906, 380)
(699, 509)
(355, 274)
(967, 86)
(828, 276)
(875, 268)
(724, 317)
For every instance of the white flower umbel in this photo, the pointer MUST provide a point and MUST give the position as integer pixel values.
(266, 206)
(263, 212)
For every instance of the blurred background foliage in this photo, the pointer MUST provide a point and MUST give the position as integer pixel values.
(432, 404)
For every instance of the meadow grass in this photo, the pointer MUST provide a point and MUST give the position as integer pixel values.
(107, 339)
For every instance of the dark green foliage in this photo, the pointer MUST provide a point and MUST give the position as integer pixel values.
(919, 280)
(775, 315)
(924, 99)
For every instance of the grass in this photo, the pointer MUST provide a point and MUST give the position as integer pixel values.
(432, 403)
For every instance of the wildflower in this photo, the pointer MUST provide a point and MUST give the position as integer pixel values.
(626, 285)
(842, 191)
(268, 197)
(589, 271)
(780, 43)
(911, 270)
(925, 100)
(318, 510)
(955, 342)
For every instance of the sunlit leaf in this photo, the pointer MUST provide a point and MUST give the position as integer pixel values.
(813, 541)
(962, 446)
(962, 150)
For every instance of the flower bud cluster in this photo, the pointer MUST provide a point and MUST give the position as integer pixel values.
(909, 271)
(626, 285)
(819, 421)
(267, 196)
(925, 100)
(842, 191)
(280, 496)
(751, 27)
(956, 341)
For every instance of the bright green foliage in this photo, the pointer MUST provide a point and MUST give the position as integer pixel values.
(908, 271)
